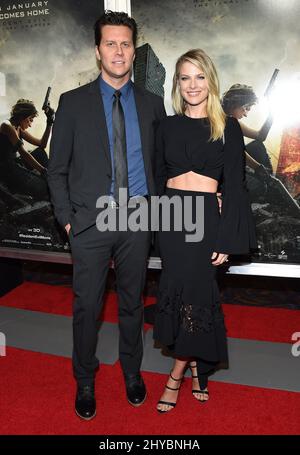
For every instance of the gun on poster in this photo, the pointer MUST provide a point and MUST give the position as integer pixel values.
(271, 83)
(273, 183)
(50, 113)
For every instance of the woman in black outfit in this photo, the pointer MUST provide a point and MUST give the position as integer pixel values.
(196, 149)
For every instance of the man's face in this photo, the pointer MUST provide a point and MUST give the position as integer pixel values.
(116, 51)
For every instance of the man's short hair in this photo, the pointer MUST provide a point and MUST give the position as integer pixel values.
(115, 18)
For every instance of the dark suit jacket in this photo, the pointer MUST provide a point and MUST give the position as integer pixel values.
(80, 168)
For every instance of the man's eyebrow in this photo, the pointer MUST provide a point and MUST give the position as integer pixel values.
(113, 41)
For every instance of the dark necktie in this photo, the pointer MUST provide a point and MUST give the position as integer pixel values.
(119, 141)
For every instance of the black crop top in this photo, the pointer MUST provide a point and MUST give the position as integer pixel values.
(182, 145)
(186, 147)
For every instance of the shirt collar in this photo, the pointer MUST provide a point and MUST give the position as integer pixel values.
(108, 91)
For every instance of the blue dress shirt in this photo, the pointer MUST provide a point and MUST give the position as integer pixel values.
(136, 169)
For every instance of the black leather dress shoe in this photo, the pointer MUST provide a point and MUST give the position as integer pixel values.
(85, 404)
(135, 389)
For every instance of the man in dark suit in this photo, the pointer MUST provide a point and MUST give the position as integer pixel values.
(103, 140)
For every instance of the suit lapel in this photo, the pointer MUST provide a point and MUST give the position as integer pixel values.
(98, 123)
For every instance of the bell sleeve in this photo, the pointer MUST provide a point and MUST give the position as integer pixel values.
(160, 166)
(236, 232)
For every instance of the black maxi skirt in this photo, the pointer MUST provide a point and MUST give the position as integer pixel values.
(188, 316)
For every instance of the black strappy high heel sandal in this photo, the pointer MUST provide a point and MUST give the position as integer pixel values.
(170, 403)
(203, 390)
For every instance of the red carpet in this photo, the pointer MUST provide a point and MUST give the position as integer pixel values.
(37, 394)
(262, 324)
(57, 300)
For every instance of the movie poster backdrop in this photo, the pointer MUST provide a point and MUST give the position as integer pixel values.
(46, 48)
(255, 47)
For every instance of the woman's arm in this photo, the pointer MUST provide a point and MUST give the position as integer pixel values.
(34, 140)
(264, 131)
(44, 139)
(259, 135)
(236, 233)
(249, 132)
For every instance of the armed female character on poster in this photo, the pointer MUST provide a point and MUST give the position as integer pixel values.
(18, 172)
(40, 154)
(22, 116)
(237, 102)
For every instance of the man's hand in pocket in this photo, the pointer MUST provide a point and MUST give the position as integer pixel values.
(67, 228)
(219, 196)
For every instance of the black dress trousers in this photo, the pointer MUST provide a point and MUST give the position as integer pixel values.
(92, 251)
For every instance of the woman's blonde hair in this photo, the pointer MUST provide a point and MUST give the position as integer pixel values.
(215, 112)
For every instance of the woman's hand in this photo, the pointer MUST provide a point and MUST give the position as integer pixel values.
(50, 114)
(218, 258)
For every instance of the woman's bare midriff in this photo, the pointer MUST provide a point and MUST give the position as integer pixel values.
(191, 181)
